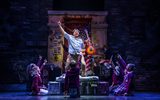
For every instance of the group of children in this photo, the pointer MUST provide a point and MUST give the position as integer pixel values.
(119, 74)
(121, 78)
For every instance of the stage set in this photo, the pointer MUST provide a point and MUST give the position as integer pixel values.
(95, 23)
(81, 49)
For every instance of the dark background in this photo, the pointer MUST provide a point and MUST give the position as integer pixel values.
(133, 31)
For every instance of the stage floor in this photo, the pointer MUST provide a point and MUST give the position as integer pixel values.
(26, 96)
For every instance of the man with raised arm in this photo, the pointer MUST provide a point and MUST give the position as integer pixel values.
(76, 45)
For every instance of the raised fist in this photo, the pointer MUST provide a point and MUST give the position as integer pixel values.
(40, 57)
(59, 23)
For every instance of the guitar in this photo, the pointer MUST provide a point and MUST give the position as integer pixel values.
(89, 49)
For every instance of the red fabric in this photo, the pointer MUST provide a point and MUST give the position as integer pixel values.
(36, 84)
(72, 79)
(88, 62)
(115, 79)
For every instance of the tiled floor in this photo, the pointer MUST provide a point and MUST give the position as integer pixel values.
(26, 96)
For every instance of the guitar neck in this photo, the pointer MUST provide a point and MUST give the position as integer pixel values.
(88, 38)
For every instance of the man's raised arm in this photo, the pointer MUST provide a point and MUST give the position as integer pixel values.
(61, 28)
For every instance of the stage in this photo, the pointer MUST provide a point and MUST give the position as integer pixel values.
(32, 44)
(27, 96)
(18, 92)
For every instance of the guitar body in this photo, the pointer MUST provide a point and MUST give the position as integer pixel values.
(90, 50)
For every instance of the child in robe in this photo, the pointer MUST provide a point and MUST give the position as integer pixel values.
(127, 86)
(72, 81)
(36, 80)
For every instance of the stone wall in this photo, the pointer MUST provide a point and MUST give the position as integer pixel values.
(23, 36)
(133, 31)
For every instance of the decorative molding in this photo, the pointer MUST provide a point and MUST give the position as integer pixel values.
(87, 13)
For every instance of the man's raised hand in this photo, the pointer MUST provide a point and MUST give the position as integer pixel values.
(59, 23)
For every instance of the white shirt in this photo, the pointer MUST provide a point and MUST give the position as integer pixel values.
(75, 44)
